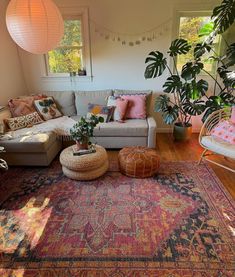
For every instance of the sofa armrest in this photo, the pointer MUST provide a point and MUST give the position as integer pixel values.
(152, 128)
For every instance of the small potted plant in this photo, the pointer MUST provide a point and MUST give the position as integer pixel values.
(82, 131)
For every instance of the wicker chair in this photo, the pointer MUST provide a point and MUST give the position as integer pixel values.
(215, 146)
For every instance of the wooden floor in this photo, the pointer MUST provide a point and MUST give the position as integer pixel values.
(170, 150)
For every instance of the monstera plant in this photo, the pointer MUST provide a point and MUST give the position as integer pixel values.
(186, 94)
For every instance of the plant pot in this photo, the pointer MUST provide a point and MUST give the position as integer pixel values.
(182, 133)
(81, 146)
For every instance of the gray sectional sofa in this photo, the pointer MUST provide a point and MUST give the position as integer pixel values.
(41, 149)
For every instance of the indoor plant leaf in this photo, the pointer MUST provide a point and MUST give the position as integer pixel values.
(170, 114)
(172, 84)
(194, 108)
(156, 66)
(161, 103)
(178, 47)
(230, 55)
(190, 70)
(224, 15)
(202, 86)
(200, 49)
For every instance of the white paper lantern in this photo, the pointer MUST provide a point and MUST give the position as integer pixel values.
(35, 25)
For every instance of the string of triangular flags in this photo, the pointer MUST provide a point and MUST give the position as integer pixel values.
(132, 39)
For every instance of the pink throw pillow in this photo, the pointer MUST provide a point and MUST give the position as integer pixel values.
(224, 130)
(233, 115)
(136, 106)
(121, 106)
(24, 105)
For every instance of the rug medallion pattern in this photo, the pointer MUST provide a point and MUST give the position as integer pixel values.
(178, 223)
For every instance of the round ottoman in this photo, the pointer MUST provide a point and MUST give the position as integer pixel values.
(138, 161)
(85, 167)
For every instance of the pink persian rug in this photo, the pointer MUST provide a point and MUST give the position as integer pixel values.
(178, 223)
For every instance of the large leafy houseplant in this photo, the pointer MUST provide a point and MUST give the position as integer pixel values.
(83, 130)
(191, 96)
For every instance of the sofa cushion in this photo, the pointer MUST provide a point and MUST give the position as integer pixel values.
(130, 128)
(65, 101)
(219, 146)
(83, 98)
(23, 105)
(29, 143)
(20, 122)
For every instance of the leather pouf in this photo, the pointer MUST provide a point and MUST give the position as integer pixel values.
(138, 161)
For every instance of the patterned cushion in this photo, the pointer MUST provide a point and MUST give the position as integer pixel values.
(23, 121)
(100, 110)
(224, 130)
(23, 105)
(120, 107)
(47, 108)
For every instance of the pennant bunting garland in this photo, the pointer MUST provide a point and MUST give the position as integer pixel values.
(131, 39)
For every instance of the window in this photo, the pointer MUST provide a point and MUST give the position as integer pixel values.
(189, 26)
(73, 52)
(68, 56)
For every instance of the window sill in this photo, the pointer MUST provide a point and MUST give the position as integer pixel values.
(66, 78)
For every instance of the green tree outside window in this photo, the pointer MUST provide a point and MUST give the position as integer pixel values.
(67, 57)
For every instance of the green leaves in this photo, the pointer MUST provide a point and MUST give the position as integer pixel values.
(194, 108)
(172, 84)
(202, 87)
(190, 70)
(179, 47)
(157, 65)
(84, 128)
(200, 49)
(230, 55)
(206, 29)
(169, 113)
(224, 15)
(161, 103)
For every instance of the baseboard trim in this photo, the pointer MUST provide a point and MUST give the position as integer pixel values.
(170, 130)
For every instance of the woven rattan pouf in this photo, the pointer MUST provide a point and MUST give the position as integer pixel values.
(138, 161)
(86, 167)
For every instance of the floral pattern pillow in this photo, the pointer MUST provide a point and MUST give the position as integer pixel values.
(23, 105)
(224, 130)
(23, 121)
(47, 108)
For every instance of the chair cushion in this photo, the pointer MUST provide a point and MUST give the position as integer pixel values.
(83, 98)
(64, 101)
(130, 128)
(29, 143)
(219, 146)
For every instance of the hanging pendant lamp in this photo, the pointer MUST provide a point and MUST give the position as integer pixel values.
(35, 25)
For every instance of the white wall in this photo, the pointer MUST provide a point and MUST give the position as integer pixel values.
(12, 81)
(114, 65)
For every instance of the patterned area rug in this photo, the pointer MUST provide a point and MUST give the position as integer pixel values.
(179, 223)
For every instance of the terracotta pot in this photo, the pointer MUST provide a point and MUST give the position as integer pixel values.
(182, 133)
(81, 146)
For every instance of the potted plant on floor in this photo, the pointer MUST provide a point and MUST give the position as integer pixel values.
(189, 93)
(83, 130)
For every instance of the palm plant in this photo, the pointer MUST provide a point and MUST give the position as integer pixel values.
(190, 94)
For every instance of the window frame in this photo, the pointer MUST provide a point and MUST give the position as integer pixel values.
(176, 30)
(76, 13)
